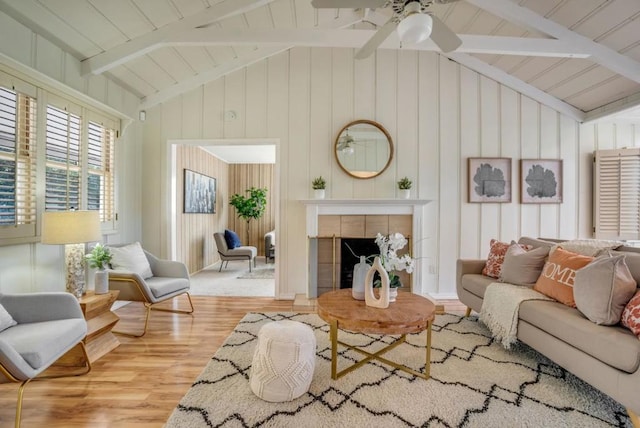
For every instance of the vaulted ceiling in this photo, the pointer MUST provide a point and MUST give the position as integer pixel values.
(581, 57)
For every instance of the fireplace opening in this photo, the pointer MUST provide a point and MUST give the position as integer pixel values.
(350, 257)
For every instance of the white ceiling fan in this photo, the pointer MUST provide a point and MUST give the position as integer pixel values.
(411, 18)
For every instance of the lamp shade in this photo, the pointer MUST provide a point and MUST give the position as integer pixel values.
(415, 28)
(70, 227)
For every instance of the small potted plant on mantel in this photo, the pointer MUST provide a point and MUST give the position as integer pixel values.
(404, 184)
(318, 185)
(99, 258)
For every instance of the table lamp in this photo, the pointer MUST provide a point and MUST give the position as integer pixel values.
(73, 229)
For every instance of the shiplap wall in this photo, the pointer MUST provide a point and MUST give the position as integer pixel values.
(438, 114)
(31, 57)
(241, 178)
(194, 232)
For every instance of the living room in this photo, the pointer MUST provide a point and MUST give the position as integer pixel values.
(439, 110)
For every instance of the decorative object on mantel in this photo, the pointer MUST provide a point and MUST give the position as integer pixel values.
(99, 258)
(318, 184)
(250, 207)
(359, 276)
(383, 300)
(404, 185)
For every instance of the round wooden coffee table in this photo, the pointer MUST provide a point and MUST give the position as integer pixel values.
(410, 313)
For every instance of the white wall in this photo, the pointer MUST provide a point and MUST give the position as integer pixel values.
(36, 267)
(438, 114)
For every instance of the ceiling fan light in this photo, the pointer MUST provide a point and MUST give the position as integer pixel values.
(415, 28)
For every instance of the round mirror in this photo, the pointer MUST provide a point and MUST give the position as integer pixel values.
(363, 149)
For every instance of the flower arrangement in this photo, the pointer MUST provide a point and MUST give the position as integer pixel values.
(99, 257)
(389, 246)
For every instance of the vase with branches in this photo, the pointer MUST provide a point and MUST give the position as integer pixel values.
(250, 207)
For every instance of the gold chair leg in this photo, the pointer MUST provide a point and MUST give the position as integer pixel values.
(149, 307)
(635, 419)
(19, 404)
(468, 312)
(146, 323)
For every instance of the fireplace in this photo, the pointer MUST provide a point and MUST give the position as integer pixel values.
(359, 246)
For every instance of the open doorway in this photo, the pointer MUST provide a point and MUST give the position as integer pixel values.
(235, 165)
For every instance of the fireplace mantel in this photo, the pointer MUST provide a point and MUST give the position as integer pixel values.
(413, 207)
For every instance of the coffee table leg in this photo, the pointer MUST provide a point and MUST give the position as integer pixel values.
(427, 365)
(333, 335)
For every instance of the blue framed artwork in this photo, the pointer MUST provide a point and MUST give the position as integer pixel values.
(199, 193)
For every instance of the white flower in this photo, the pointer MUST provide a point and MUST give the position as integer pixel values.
(389, 246)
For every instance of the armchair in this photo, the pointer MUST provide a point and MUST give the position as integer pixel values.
(240, 253)
(270, 246)
(167, 279)
(48, 325)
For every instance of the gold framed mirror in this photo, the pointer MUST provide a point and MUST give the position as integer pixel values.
(363, 149)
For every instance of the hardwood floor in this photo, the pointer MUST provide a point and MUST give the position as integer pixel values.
(139, 383)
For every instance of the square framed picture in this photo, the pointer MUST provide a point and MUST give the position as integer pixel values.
(489, 179)
(541, 181)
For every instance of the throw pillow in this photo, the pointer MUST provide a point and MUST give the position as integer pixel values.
(497, 251)
(631, 315)
(603, 288)
(587, 247)
(6, 320)
(522, 267)
(558, 275)
(131, 258)
(232, 238)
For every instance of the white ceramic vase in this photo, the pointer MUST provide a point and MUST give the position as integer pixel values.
(318, 193)
(405, 193)
(369, 298)
(101, 282)
(359, 276)
(393, 294)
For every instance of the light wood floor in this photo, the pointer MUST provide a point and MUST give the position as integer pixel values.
(140, 382)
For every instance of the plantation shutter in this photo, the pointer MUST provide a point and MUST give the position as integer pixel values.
(617, 194)
(100, 162)
(17, 158)
(63, 154)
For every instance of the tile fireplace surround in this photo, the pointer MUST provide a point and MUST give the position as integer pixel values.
(371, 207)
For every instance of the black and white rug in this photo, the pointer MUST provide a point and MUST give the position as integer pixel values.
(474, 383)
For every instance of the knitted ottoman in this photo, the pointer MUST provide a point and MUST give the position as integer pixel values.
(283, 361)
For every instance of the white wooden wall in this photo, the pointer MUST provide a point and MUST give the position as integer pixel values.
(36, 267)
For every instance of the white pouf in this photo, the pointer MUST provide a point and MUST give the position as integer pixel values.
(283, 361)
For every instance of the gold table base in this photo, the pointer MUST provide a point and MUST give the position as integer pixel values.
(333, 335)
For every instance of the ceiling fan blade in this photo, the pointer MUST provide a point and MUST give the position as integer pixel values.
(443, 37)
(347, 4)
(375, 40)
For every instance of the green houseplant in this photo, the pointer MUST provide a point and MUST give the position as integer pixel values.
(99, 258)
(318, 184)
(404, 184)
(250, 207)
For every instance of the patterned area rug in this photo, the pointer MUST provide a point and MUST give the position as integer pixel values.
(474, 383)
(260, 272)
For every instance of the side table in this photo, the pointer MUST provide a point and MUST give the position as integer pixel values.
(100, 320)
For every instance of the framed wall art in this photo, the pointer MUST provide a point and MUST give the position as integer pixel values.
(199, 193)
(541, 181)
(489, 179)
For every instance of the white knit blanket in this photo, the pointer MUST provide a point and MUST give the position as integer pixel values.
(500, 309)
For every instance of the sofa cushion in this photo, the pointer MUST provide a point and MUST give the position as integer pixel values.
(535, 242)
(6, 320)
(603, 288)
(39, 343)
(476, 284)
(587, 247)
(162, 286)
(522, 267)
(631, 315)
(232, 239)
(497, 251)
(557, 276)
(613, 345)
(131, 258)
(632, 260)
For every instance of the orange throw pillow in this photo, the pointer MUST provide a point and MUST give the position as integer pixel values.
(558, 274)
(631, 315)
(495, 259)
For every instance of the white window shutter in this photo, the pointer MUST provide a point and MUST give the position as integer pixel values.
(617, 194)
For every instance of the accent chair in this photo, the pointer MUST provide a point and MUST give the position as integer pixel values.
(227, 254)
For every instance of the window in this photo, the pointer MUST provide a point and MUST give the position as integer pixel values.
(63, 154)
(100, 181)
(17, 163)
(617, 194)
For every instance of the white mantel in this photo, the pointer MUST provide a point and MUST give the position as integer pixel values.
(413, 207)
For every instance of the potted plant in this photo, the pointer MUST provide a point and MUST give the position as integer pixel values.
(99, 258)
(404, 184)
(250, 207)
(319, 185)
(392, 262)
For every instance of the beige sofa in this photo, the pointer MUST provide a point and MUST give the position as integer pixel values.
(607, 357)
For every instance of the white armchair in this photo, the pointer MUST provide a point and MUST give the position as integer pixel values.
(48, 325)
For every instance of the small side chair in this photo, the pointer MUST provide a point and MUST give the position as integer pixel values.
(240, 253)
(48, 325)
(170, 279)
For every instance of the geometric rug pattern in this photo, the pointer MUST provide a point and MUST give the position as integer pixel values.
(474, 382)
